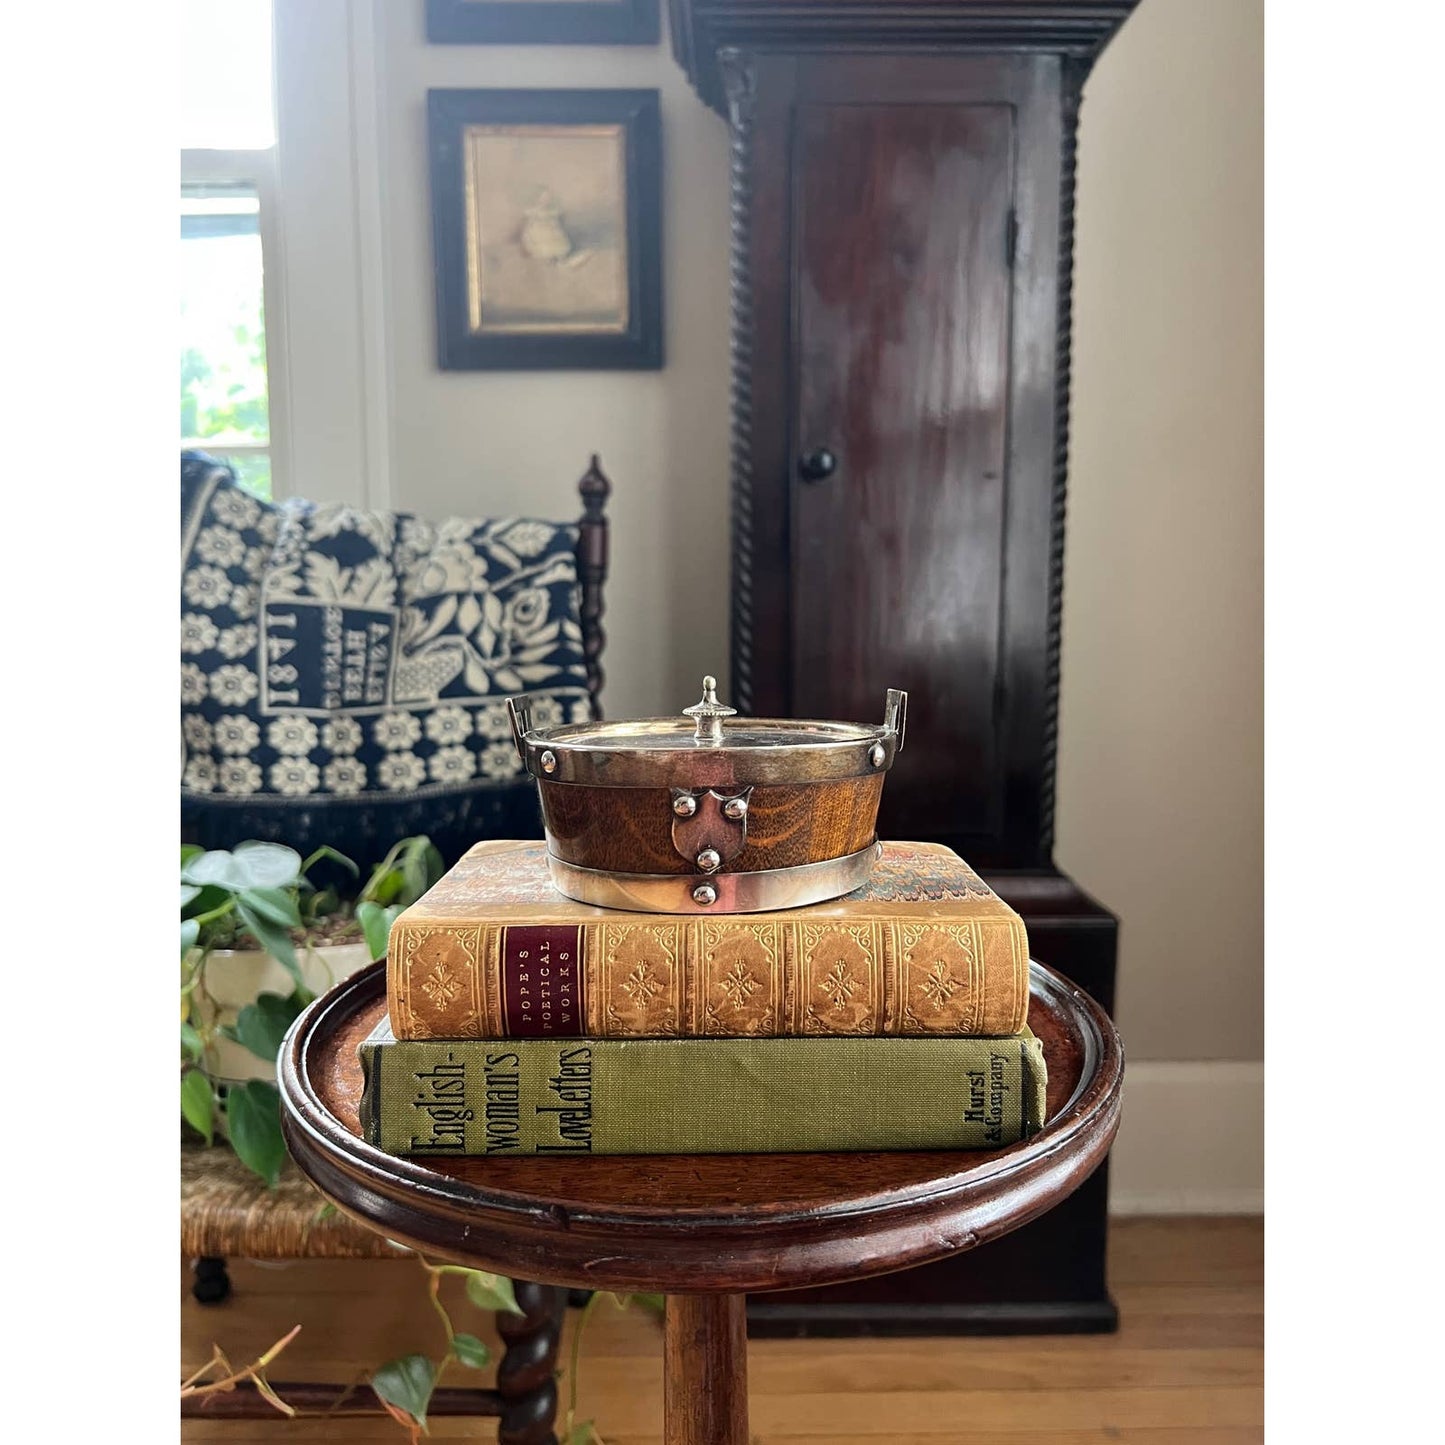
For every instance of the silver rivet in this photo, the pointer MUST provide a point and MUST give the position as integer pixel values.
(876, 754)
(704, 894)
(735, 808)
(548, 761)
(709, 860)
(685, 805)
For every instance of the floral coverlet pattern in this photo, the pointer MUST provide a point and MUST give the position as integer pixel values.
(330, 652)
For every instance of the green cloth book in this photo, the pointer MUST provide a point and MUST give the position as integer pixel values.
(698, 1096)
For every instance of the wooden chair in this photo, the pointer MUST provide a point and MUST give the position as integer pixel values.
(364, 827)
(227, 1212)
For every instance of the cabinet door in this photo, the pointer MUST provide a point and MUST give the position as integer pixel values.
(902, 215)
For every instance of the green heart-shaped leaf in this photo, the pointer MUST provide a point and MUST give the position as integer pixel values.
(267, 865)
(214, 867)
(470, 1351)
(386, 887)
(407, 1383)
(491, 1291)
(275, 905)
(273, 938)
(375, 924)
(253, 1115)
(197, 1104)
(191, 1045)
(261, 1026)
(249, 865)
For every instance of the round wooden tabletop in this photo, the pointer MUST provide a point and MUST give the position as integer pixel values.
(698, 1222)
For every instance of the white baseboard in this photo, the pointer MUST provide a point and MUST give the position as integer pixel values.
(1191, 1140)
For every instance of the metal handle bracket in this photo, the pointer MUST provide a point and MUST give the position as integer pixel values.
(895, 715)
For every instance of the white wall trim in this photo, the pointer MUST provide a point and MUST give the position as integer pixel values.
(1191, 1139)
(330, 200)
(367, 101)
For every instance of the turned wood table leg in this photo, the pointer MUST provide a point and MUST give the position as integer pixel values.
(705, 1382)
(526, 1376)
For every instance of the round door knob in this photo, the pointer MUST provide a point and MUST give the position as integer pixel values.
(817, 465)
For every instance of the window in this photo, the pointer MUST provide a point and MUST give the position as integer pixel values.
(229, 283)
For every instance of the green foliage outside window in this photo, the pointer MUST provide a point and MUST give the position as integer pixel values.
(223, 353)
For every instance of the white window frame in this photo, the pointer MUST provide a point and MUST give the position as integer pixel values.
(257, 169)
(323, 251)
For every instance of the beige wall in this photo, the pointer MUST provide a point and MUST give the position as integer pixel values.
(1161, 766)
(1160, 771)
(490, 441)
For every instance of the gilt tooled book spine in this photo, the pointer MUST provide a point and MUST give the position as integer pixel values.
(566, 1097)
(494, 951)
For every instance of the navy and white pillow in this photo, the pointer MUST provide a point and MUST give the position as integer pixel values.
(334, 654)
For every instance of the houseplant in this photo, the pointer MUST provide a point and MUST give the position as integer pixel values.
(258, 941)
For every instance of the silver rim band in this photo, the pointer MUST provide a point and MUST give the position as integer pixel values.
(702, 767)
(736, 892)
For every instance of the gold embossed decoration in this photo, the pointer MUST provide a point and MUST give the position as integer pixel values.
(840, 985)
(841, 978)
(739, 986)
(740, 978)
(640, 986)
(641, 978)
(441, 985)
(942, 975)
(440, 970)
(940, 985)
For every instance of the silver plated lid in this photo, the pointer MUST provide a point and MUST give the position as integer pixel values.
(708, 746)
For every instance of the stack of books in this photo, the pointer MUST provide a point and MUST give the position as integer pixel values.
(520, 1022)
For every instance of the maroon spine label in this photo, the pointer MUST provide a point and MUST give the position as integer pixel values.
(541, 982)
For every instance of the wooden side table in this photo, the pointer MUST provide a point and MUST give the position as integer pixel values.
(704, 1229)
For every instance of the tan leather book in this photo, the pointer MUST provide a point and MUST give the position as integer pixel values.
(925, 947)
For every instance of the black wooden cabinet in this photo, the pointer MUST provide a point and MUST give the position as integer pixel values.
(902, 233)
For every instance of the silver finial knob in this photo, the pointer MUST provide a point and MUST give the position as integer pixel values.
(709, 713)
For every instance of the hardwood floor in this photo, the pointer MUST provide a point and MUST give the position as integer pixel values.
(1186, 1368)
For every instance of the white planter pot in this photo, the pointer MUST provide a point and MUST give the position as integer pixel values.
(235, 976)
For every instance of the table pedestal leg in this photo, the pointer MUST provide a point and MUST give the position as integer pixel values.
(705, 1386)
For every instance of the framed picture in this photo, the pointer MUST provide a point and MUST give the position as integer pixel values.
(546, 212)
(542, 22)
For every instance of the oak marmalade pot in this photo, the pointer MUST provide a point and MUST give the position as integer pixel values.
(708, 812)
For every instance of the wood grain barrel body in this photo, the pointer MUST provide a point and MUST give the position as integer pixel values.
(629, 830)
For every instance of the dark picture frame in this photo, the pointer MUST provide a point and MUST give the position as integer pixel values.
(547, 228)
(543, 22)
